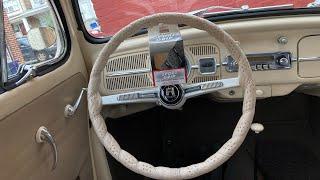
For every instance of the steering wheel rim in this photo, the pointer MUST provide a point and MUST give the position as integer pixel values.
(215, 160)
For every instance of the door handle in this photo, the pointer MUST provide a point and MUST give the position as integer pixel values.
(70, 110)
(44, 136)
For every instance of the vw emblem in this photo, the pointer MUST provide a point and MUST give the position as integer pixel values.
(171, 94)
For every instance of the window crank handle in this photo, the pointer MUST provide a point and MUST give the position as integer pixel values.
(70, 110)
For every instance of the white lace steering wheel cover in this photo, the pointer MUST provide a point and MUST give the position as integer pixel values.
(195, 170)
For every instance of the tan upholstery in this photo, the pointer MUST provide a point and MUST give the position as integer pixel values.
(226, 151)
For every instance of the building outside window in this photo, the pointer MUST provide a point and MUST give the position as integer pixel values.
(11, 6)
(37, 3)
(89, 17)
(21, 16)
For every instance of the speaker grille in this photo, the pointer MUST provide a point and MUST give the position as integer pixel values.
(128, 82)
(128, 62)
(199, 79)
(201, 50)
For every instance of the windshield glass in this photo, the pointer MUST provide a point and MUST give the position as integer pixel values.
(103, 18)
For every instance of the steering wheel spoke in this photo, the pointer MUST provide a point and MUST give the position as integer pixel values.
(145, 96)
(209, 87)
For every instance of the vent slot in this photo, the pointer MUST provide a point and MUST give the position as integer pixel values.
(203, 50)
(128, 82)
(200, 79)
(130, 62)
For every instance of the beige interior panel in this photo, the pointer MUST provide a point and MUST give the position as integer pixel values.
(41, 102)
(23, 158)
(309, 57)
(309, 46)
(100, 161)
(86, 169)
(237, 93)
(309, 69)
(283, 89)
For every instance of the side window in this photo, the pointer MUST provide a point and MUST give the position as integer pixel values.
(33, 35)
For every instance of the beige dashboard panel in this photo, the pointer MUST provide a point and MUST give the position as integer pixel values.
(257, 35)
(246, 31)
(309, 57)
(237, 93)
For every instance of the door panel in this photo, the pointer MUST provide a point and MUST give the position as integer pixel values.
(23, 158)
(41, 102)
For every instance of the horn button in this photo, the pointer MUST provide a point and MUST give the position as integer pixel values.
(171, 95)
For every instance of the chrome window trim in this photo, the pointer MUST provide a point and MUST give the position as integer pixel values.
(3, 50)
(59, 56)
(62, 36)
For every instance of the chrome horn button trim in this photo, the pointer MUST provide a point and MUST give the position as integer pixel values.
(171, 96)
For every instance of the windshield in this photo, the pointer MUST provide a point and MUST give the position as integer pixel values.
(103, 18)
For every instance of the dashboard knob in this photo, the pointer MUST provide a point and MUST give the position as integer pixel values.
(257, 127)
(283, 40)
(283, 61)
(259, 92)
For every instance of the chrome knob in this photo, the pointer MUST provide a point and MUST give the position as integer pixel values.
(44, 136)
(70, 110)
(282, 40)
(284, 61)
(257, 127)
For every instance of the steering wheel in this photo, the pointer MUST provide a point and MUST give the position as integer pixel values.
(183, 92)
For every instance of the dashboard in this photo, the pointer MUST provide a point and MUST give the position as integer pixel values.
(284, 54)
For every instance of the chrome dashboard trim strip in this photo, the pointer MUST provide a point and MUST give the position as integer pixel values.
(143, 96)
(155, 95)
(210, 86)
(293, 59)
(128, 72)
(308, 59)
(196, 66)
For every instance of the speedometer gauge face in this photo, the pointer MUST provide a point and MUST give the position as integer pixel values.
(169, 64)
(174, 59)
